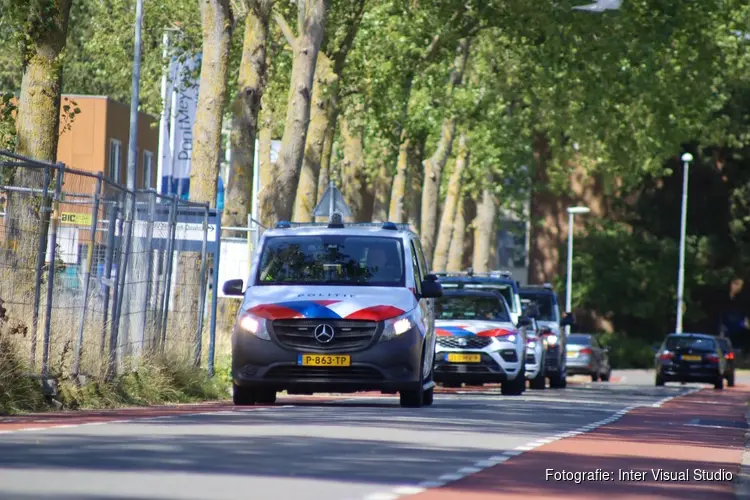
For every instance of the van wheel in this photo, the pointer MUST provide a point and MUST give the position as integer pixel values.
(539, 382)
(414, 398)
(558, 381)
(265, 396)
(243, 396)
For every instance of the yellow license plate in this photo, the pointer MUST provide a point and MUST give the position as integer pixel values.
(324, 360)
(691, 358)
(464, 358)
(572, 354)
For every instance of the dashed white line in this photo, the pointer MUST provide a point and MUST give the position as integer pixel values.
(507, 455)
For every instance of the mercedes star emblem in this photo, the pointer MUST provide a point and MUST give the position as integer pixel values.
(462, 342)
(323, 333)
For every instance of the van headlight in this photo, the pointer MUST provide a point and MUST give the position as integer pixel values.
(395, 327)
(551, 340)
(250, 323)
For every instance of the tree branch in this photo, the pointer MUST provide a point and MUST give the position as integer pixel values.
(285, 29)
(339, 57)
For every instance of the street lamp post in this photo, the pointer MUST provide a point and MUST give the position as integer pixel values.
(572, 211)
(686, 159)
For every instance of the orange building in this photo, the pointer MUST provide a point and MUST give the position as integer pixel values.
(97, 139)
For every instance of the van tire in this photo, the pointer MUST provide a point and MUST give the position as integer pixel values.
(414, 398)
(243, 396)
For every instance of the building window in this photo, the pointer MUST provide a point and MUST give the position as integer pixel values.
(148, 169)
(115, 159)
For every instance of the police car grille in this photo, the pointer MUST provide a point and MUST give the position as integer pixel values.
(300, 334)
(530, 359)
(464, 342)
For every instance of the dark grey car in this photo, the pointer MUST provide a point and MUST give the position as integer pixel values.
(586, 356)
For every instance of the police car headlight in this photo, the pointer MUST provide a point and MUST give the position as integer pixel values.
(532, 344)
(551, 340)
(250, 323)
(395, 327)
(511, 338)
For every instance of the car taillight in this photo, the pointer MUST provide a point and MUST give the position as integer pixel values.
(666, 355)
(586, 350)
(729, 355)
(712, 358)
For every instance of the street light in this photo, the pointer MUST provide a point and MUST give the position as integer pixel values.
(687, 158)
(572, 211)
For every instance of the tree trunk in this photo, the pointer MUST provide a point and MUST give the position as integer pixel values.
(267, 168)
(381, 192)
(355, 185)
(470, 213)
(246, 107)
(448, 218)
(433, 166)
(433, 169)
(311, 27)
(325, 157)
(37, 132)
(320, 114)
(415, 180)
(484, 225)
(397, 210)
(216, 22)
(458, 236)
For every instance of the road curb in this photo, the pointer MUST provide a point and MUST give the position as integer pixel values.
(742, 482)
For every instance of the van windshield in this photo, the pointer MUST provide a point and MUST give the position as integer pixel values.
(700, 344)
(501, 288)
(545, 303)
(331, 260)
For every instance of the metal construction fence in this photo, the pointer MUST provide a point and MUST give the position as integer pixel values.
(93, 275)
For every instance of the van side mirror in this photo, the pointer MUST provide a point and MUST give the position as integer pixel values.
(233, 288)
(568, 320)
(431, 289)
(524, 322)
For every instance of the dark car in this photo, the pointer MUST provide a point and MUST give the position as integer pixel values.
(690, 357)
(586, 356)
(551, 325)
(728, 350)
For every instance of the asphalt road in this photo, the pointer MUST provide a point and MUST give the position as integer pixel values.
(340, 449)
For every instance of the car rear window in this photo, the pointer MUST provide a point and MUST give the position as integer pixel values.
(579, 339)
(471, 307)
(332, 260)
(700, 344)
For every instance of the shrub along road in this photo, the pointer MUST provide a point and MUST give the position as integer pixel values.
(472, 444)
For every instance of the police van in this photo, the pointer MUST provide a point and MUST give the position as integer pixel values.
(335, 308)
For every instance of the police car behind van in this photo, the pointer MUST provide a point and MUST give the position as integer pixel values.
(335, 308)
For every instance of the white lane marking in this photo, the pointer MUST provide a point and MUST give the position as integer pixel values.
(409, 490)
(507, 455)
(143, 419)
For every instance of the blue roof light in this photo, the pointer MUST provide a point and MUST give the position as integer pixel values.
(283, 224)
(390, 226)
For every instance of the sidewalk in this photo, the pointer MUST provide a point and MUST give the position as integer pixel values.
(669, 438)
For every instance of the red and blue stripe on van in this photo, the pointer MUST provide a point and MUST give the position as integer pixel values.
(318, 309)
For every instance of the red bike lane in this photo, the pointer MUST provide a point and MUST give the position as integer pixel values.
(697, 434)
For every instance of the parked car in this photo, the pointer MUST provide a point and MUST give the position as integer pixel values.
(335, 308)
(477, 342)
(690, 357)
(728, 350)
(586, 356)
(550, 324)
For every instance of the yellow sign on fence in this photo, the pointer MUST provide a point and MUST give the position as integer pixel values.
(75, 219)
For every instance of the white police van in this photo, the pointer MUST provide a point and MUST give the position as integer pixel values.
(335, 308)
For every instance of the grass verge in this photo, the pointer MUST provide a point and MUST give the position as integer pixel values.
(157, 379)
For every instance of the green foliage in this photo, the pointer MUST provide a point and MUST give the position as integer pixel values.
(627, 352)
(7, 122)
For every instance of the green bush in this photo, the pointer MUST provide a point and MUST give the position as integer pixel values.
(627, 352)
